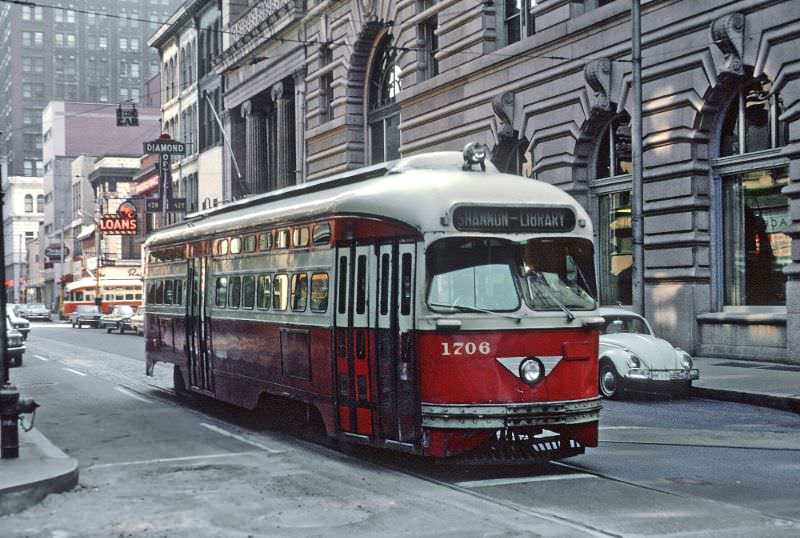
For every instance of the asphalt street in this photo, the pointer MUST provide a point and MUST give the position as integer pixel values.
(152, 465)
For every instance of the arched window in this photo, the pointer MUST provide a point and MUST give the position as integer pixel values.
(612, 186)
(40, 203)
(383, 113)
(754, 212)
(28, 203)
(614, 152)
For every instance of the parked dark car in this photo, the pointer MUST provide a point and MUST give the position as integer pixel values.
(119, 319)
(37, 311)
(85, 314)
(16, 347)
(20, 324)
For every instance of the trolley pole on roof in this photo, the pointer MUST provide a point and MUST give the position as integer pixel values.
(637, 224)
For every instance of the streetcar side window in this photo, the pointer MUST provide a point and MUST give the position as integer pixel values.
(321, 234)
(300, 237)
(265, 241)
(342, 288)
(222, 247)
(168, 292)
(361, 285)
(236, 245)
(138, 297)
(264, 292)
(178, 292)
(250, 243)
(129, 297)
(221, 291)
(319, 292)
(299, 292)
(282, 239)
(280, 289)
(405, 300)
(385, 284)
(159, 298)
(234, 292)
(248, 291)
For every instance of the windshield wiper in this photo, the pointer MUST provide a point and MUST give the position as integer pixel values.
(463, 308)
(545, 287)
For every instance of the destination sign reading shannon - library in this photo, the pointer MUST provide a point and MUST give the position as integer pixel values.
(513, 219)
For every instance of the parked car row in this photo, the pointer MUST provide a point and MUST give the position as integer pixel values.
(121, 318)
(15, 344)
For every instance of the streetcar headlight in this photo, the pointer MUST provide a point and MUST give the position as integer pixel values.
(531, 371)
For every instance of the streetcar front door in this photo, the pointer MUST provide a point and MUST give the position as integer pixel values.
(198, 356)
(375, 365)
(394, 350)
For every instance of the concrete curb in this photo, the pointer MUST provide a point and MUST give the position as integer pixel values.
(783, 403)
(41, 469)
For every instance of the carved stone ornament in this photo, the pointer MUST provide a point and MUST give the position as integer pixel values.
(247, 108)
(727, 33)
(277, 92)
(598, 82)
(503, 105)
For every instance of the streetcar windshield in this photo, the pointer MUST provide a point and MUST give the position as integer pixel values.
(478, 274)
(469, 273)
(558, 273)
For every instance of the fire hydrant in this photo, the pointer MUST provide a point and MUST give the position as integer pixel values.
(11, 407)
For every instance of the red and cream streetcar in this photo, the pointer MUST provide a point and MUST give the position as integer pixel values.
(430, 305)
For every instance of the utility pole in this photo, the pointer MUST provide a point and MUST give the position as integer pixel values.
(637, 224)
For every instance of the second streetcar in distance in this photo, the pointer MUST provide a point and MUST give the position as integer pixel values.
(430, 305)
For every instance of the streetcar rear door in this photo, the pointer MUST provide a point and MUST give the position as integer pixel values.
(200, 374)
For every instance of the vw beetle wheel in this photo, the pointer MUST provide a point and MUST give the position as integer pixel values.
(610, 381)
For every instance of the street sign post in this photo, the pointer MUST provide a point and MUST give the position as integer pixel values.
(165, 147)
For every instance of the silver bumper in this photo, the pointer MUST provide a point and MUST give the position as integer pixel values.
(469, 416)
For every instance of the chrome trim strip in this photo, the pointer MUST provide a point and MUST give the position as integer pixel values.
(467, 416)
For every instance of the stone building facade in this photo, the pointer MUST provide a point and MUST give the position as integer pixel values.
(318, 87)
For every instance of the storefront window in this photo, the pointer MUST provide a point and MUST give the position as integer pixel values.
(616, 259)
(756, 249)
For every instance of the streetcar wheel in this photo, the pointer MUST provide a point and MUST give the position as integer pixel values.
(610, 381)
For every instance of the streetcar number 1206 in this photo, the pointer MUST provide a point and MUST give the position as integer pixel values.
(465, 348)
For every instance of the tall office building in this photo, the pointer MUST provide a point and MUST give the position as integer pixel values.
(84, 50)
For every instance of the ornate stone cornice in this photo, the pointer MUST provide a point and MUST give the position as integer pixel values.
(256, 27)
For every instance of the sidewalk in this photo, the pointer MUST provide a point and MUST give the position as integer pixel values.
(767, 384)
(42, 468)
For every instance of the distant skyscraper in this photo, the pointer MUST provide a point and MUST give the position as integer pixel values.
(78, 54)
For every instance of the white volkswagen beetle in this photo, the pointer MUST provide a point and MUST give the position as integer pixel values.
(633, 358)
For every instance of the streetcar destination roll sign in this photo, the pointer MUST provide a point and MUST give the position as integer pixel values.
(513, 219)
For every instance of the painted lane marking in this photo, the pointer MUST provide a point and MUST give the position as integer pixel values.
(521, 480)
(75, 372)
(133, 395)
(240, 438)
(171, 460)
(42, 358)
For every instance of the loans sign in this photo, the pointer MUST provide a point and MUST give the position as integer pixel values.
(122, 223)
(513, 219)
